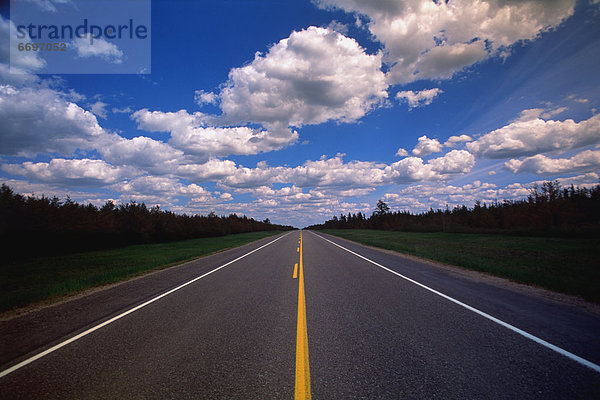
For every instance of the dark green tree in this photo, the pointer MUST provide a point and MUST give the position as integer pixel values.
(382, 208)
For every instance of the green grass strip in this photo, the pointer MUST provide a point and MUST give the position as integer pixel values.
(43, 278)
(564, 265)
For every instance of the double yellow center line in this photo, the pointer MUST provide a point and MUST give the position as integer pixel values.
(302, 370)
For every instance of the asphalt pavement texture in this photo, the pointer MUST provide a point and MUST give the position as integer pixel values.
(371, 334)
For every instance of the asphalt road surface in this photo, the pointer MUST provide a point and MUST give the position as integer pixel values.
(287, 317)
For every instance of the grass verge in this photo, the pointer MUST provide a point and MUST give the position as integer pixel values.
(42, 278)
(560, 264)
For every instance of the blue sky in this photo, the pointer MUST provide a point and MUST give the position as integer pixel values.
(301, 110)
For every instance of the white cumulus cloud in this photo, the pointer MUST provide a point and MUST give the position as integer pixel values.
(159, 185)
(588, 160)
(86, 47)
(533, 136)
(427, 39)
(22, 61)
(213, 169)
(35, 121)
(426, 146)
(99, 109)
(419, 99)
(142, 152)
(334, 172)
(414, 169)
(402, 152)
(201, 97)
(313, 76)
(453, 140)
(189, 133)
(83, 172)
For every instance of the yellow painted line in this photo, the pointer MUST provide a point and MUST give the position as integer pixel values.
(295, 270)
(302, 391)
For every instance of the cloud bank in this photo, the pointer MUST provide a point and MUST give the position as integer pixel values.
(427, 39)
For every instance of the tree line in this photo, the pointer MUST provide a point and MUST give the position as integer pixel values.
(548, 210)
(32, 225)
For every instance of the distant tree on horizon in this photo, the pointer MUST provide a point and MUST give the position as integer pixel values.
(548, 210)
(47, 225)
(381, 208)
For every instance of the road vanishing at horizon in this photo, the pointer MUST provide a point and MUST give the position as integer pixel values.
(303, 315)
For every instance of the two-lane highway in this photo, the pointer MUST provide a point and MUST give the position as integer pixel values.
(306, 314)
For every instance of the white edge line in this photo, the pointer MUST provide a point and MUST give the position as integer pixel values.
(131, 310)
(521, 332)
